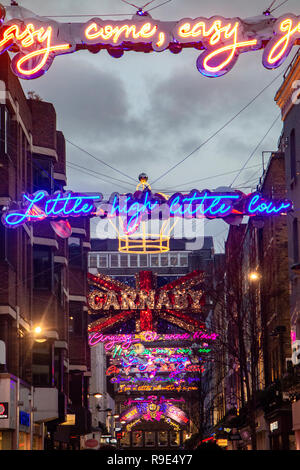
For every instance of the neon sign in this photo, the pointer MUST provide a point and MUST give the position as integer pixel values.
(38, 41)
(156, 388)
(41, 206)
(150, 411)
(135, 207)
(126, 341)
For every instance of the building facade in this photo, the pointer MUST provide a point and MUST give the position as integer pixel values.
(43, 379)
(287, 98)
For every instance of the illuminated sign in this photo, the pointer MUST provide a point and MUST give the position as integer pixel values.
(156, 388)
(135, 379)
(274, 426)
(3, 410)
(135, 208)
(153, 411)
(37, 42)
(110, 341)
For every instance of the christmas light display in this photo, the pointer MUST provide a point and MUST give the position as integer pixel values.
(143, 205)
(37, 41)
(111, 295)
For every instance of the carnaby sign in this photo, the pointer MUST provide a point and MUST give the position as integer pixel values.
(38, 40)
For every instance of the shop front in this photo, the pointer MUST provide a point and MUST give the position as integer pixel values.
(281, 435)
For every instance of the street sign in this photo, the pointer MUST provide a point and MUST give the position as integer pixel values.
(3, 410)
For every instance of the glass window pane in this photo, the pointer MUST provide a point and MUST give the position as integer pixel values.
(164, 260)
(114, 261)
(174, 260)
(154, 260)
(163, 438)
(93, 261)
(143, 260)
(174, 438)
(133, 261)
(102, 261)
(124, 261)
(137, 439)
(149, 439)
(183, 260)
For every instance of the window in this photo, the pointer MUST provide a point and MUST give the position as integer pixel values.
(75, 252)
(76, 319)
(42, 174)
(154, 260)
(133, 261)
(295, 240)
(102, 260)
(114, 261)
(149, 439)
(41, 365)
(124, 261)
(183, 260)
(5, 124)
(164, 260)
(137, 439)
(293, 154)
(174, 438)
(173, 259)
(93, 261)
(162, 438)
(43, 267)
(143, 261)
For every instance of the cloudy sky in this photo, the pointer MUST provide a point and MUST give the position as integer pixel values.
(146, 112)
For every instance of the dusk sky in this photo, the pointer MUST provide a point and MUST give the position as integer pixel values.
(146, 112)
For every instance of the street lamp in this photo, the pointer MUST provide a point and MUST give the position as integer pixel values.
(254, 276)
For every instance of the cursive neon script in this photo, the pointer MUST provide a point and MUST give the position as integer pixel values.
(222, 39)
(41, 206)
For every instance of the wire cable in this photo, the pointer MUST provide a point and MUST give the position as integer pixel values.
(168, 1)
(256, 148)
(220, 129)
(207, 178)
(281, 4)
(99, 160)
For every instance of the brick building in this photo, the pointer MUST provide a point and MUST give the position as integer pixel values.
(44, 376)
(287, 98)
(257, 323)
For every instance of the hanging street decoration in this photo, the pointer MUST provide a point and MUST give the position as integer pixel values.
(153, 411)
(36, 40)
(141, 206)
(107, 297)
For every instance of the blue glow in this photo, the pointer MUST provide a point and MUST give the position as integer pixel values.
(40, 206)
(257, 205)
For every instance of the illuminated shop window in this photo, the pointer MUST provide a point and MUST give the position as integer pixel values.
(149, 439)
(174, 438)
(125, 441)
(137, 438)
(163, 438)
